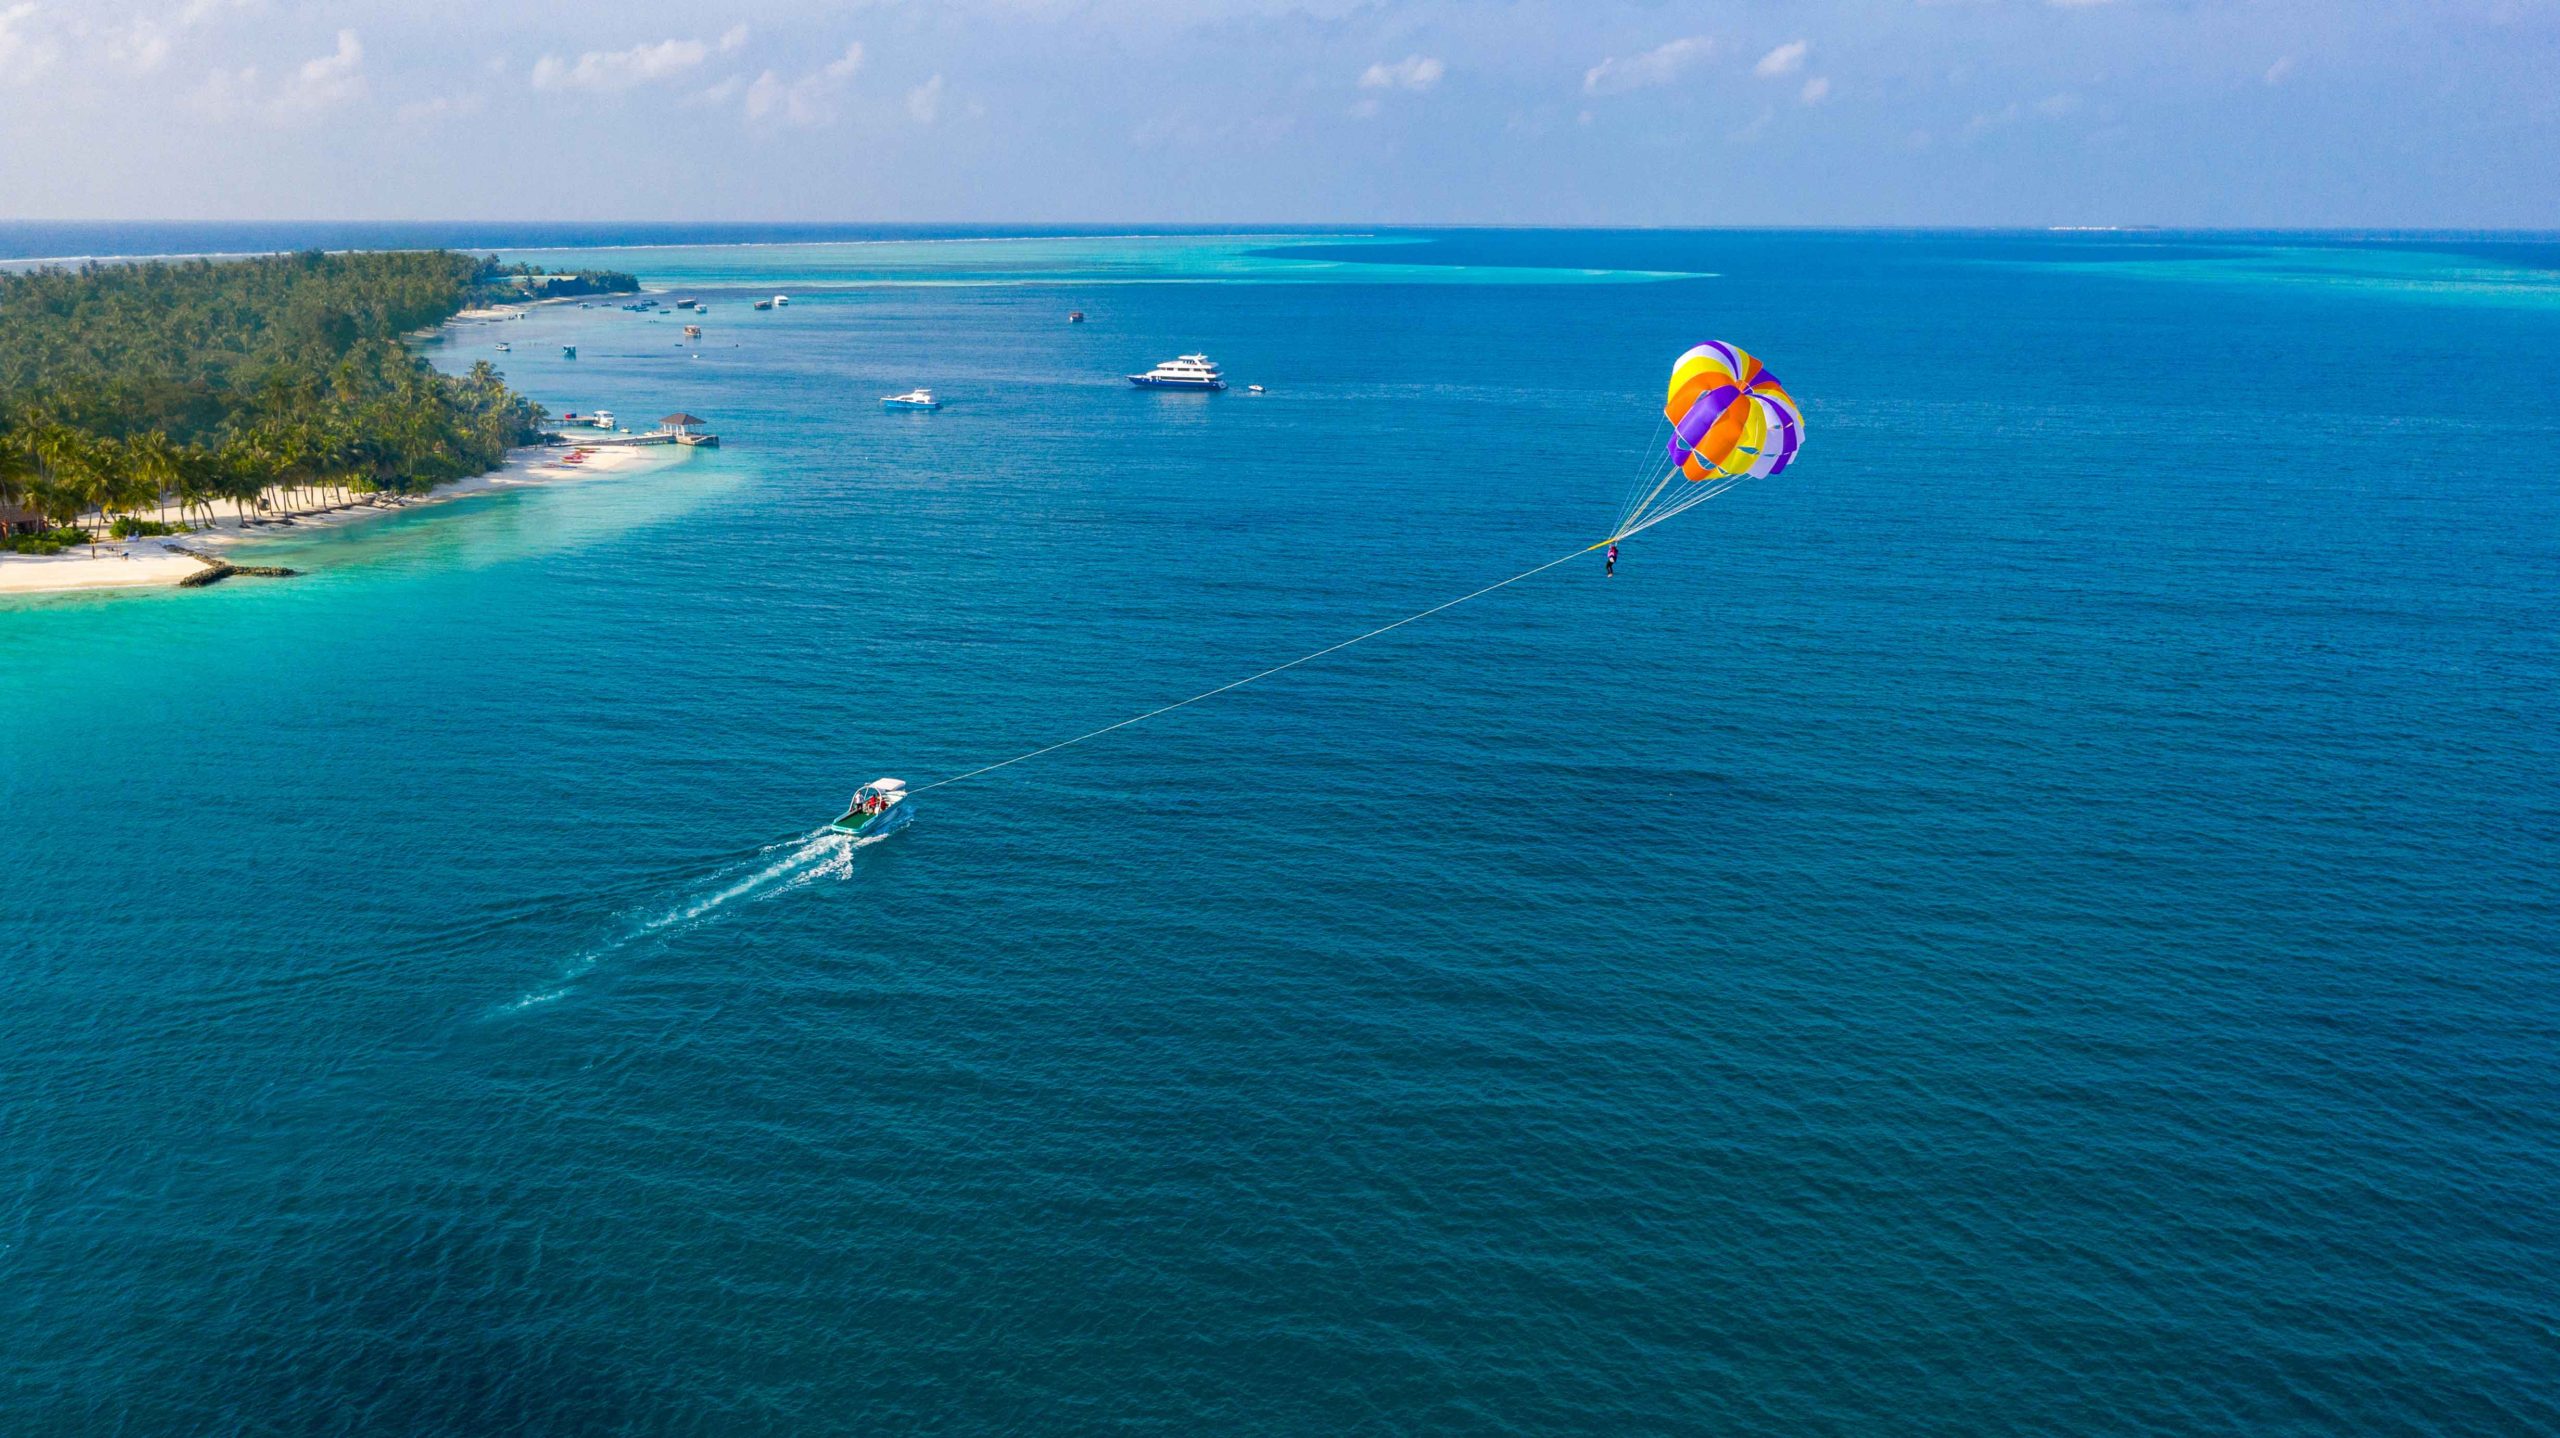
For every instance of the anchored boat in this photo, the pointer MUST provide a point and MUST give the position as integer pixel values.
(1188, 372)
(912, 399)
(879, 808)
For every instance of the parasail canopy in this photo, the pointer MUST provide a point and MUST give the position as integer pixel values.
(1729, 416)
(1731, 420)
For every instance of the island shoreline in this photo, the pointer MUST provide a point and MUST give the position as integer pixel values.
(162, 562)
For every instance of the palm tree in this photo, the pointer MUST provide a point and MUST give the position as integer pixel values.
(62, 463)
(16, 468)
(198, 479)
(150, 470)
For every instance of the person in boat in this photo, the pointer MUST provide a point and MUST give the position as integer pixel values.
(1612, 571)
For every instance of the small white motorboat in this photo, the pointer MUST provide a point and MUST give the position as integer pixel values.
(912, 399)
(879, 809)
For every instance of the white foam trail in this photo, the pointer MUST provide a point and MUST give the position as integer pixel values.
(805, 859)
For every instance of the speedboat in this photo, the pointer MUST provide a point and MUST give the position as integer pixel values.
(1188, 372)
(764, 304)
(912, 399)
(878, 809)
(1075, 317)
(504, 347)
(779, 301)
(568, 352)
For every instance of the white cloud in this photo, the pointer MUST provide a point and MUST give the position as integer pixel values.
(1987, 121)
(1816, 90)
(809, 100)
(196, 12)
(23, 49)
(227, 92)
(1785, 60)
(1658, 66)
(327, 80)
(733, 39)
(1413, 72)
(622, 69)
(320, 83)
(924, 102)
(2277, 72)
(443, 107)
(141, 46)
(719, 94)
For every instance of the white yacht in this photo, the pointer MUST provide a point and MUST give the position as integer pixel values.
(1188, 372)
(912, 399)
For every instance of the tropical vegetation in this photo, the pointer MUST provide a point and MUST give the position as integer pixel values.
(184, 385)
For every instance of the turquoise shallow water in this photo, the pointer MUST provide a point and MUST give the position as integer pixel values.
(2039, 921)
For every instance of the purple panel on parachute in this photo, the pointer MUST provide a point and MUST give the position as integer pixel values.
(1789, 436)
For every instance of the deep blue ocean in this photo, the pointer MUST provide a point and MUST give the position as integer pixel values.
(2039, 921)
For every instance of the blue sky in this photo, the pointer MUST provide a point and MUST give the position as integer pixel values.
(1746, 112)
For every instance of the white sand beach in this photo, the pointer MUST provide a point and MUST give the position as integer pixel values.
(156, 562)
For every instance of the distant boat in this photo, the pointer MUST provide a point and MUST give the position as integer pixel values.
(601, 419)
(686, 304)
(764, 304)
(568, 352)
(1253, 389)
(781, 300)
(693, 332)
(1075, 317)
(1188, 372)
(505, 348)
(912, 399)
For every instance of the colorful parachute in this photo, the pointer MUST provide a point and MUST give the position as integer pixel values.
(1730, 421)
(1729, 416)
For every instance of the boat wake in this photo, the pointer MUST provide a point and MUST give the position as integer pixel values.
(776, 869)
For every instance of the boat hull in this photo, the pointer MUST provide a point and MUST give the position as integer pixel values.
(1149, 382)
(909, 404)
(866, 827)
